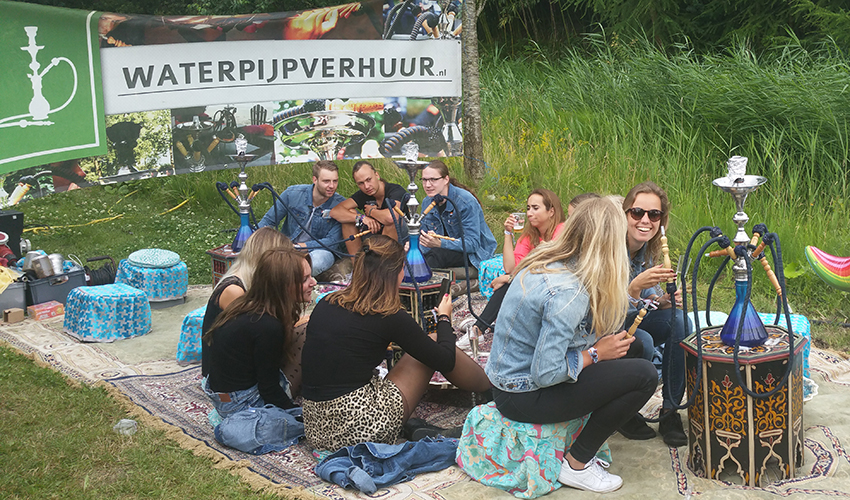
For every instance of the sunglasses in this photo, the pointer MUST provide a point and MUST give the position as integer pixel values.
(638, 213)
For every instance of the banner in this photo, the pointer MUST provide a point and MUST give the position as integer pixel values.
(50, 86)
(359, 80)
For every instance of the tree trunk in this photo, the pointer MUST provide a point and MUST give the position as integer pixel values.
(473, 143)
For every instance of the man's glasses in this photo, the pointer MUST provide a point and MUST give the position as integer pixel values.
(430, 180)
(638, 213)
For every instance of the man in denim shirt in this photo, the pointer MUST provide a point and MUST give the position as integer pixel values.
(308, 206)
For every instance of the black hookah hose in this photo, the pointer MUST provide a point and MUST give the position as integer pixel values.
(741, 252)
(665, 387)
(723, 243)
(465, 262)
(391, 21)
(221, 187)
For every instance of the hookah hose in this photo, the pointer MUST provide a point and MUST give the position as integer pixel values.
(723, 243)
(389, 145)
(222, 187)
(425, 16)
(781, 274)
(235, 186)
(465, 261)
(337, 253)
(666, 387)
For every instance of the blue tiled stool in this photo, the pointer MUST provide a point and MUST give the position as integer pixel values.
(189, 347)
(489, 270)
(164, 286)
(105, 313)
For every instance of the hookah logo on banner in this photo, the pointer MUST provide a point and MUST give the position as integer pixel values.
(50, 89)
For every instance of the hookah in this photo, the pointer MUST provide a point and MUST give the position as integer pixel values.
(39, 108)
(324, 132)
(744, 327)
(448, 107)
(416, 270)
(242, 194)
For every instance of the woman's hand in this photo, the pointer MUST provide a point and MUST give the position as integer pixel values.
(664, 301)
(509, 223)
(445, 306)
(613, 346)
(428, 240)
(649, 278)
(500, 281)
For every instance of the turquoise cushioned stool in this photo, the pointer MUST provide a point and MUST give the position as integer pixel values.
(106, 313)
(189, 347)
(489, 270)
(159, 273)
(522, 459)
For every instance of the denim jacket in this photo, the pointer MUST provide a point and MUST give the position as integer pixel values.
(480, 242)
(543, 326)
(640, 264)
(299, 200)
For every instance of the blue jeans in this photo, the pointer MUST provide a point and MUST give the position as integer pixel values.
(251, 426)
(656, 326)
(322, 260)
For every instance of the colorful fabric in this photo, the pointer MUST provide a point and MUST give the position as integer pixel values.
(522, 459)
(106, 313)
(801, 326)
(835, 271)
(155, 258)
(189, 346)
(159, 284)
(490, 269)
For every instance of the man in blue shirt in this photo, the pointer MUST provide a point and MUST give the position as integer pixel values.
(306, 209)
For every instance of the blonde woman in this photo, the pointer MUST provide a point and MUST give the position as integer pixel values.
(237, 280)
(558, 352)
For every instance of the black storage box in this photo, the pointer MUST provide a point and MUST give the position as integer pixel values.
(12, 223)
(55, 287)
(14, 296)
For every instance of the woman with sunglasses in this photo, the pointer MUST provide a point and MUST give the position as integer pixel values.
(462, 219)
(648, 208)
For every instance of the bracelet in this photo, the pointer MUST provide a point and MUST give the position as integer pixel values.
(444, 317)
(594, 355)
(508, 233)
(358, 219)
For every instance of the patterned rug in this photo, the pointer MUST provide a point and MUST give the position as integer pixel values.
(171, 394)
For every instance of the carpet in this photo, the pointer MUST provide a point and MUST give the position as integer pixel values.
(169, 394)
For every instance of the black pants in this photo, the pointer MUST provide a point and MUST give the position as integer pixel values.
(613, 390)
(442, 258)
(491, 310)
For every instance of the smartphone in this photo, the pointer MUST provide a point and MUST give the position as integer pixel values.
(445, 286)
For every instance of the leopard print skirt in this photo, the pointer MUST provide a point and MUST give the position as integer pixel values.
(373, 413)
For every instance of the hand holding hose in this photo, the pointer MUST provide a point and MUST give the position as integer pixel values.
(613, 346)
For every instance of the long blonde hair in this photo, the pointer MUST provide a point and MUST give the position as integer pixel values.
(593, 247)
(374, 280)
(265, 238)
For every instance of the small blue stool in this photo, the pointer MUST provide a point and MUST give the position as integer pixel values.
(106, 313)
(189, 347)
(159, 273)
(489, 270)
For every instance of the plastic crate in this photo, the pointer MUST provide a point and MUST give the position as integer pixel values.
(55, 287)
(14, 296)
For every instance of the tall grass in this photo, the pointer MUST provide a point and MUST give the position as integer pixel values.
(607, 116)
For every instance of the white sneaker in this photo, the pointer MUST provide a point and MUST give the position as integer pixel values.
(593, 477)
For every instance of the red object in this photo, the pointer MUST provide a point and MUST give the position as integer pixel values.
(45, 310)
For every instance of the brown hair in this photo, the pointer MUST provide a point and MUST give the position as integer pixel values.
(444, 172)
(275, 290)
(374, 281)
(360, 164)
(582, 197)
(653, 246)
(550, 201)
(265, 238)
(324, 165)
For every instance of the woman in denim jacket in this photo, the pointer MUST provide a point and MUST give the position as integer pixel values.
(462, 219)
(555, 356)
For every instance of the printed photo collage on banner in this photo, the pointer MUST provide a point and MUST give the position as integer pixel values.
(299, 87)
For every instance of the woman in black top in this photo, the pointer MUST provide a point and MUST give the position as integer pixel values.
(345, 403)
(247, 342)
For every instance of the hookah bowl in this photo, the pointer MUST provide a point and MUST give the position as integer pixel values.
(448, 107)
(739, 186)
(324, 132)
